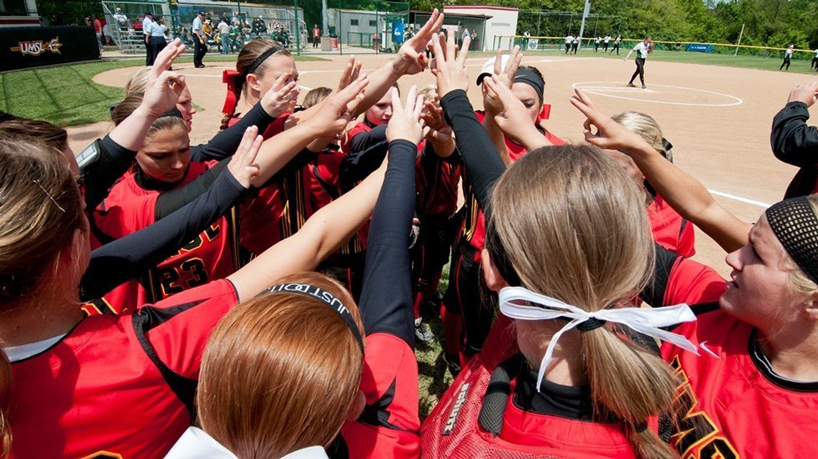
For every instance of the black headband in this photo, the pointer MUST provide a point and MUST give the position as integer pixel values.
(325, 297)
(529, 77)
(794, 223)
(259, 60)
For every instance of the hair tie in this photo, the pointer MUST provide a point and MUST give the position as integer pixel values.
(640, 427)
(794, 223)
(325, 297)
(234, 84)
(591, 324)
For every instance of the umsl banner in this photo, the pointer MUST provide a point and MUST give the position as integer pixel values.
(697, 48)
(23, 47)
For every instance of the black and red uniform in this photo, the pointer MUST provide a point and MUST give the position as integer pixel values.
(117, 386)
(389, 425)
(670, 230)
(463, 295)
(131, 206)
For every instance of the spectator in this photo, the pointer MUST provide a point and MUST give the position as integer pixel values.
(464, 33)
(316, 36)
(199, 40)
(121, 19)
(106, 34)
(224, 33)
(145, 24)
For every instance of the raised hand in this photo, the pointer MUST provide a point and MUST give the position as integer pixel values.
(336, 113)
(439, 133)
(351, 73)
(411, 59)
(405, 122)
(610, 134)
(505, 76)
(513, 118)
(451, 70)
(806, 93)
(281, 97)
(242, 165)
(164, 86)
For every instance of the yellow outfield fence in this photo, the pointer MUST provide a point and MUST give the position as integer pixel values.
(533, 43)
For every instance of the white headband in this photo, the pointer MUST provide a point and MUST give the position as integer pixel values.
(514, 304)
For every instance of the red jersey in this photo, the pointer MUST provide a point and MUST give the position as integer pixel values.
(117, 386)
(670, 230)
(474, 226)
(436, 183)
(212, 255)
(389, 426)
(731, 404)
(453, 430)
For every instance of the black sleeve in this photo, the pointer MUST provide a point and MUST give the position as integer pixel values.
(654, 292)
(99, 176)
(386, 299)
(359, 163)
(794, 142)
(365, 140)
(126, 258)
(173, 200)
(481, 160)
(226, 142)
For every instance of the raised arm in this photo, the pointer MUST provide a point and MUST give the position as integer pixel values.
(389, 310)
(481, 160)
(794, 142)
(684, 193)
(125, 258)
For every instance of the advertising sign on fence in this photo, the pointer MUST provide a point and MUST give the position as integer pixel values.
(698, 48)
(22, 47)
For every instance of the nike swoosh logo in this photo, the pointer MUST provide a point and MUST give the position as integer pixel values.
(703, 345)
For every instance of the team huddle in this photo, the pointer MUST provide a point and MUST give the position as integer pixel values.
(259, 296)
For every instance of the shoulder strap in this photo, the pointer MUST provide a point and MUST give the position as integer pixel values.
(497, 393)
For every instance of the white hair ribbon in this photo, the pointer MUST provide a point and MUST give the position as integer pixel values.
(522, 304)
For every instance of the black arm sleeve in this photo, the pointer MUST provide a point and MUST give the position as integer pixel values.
(386, 299)
(126, 258)
(173, 200)
(226, 142)
(366, 153)
(364, 140)
(101, 175)
(794, 142)
(481, 160)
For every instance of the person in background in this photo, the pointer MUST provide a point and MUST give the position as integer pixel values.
(575, 45)
(316, 36)
(464, 34)
(568, 41)
(224, 33)
(121, 19)
(155, 37)
(98, 24)
(616, 45)
(814, 63)
(149, 57)
(596, 44)
(605, 43)
(199, 40)
(787, 58)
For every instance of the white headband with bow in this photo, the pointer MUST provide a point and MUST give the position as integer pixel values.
(522, 304)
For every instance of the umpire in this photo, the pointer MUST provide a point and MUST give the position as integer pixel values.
(146, 24)
(199, 40)
(796, 143)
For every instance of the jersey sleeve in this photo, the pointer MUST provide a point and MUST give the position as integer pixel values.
(679, 280)
(99, 176)
(793, 142)
(122, 214)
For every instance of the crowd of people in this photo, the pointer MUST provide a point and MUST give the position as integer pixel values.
(258, 296)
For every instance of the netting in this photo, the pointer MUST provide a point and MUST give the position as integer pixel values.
(542, 23)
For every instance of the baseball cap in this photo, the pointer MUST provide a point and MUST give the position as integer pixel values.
(488, 68)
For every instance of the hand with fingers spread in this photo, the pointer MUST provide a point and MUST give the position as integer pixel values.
(611, 135)
(281, 98)
(351, 73)
(336, 112)
(440, 134)
(451, 70)
(242, 165)
(512, 117)
(505, 76)
(411, 58)
(405, 122)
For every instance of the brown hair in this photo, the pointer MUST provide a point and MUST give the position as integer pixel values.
(125, 107)
(594, 250)
(280, 372)
(248, 54)
(137, 82)
(131, 103)
(315, 96)
(5, 393)
(24, 129)
(39, 210)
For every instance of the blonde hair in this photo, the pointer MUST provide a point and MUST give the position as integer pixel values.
(40, 209)
(799, 281)
(137, 82)
(567, 222)
(428, 92)
(280, 372)
(248, 54)
(315, 96)
(647, 128)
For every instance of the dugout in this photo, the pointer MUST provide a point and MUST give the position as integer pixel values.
(474, 18)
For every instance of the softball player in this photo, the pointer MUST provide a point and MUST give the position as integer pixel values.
(787, 58)
(642, 49)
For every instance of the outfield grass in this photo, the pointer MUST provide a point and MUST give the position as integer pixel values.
(66, 95)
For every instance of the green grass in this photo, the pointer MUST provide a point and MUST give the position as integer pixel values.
(66, 95)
